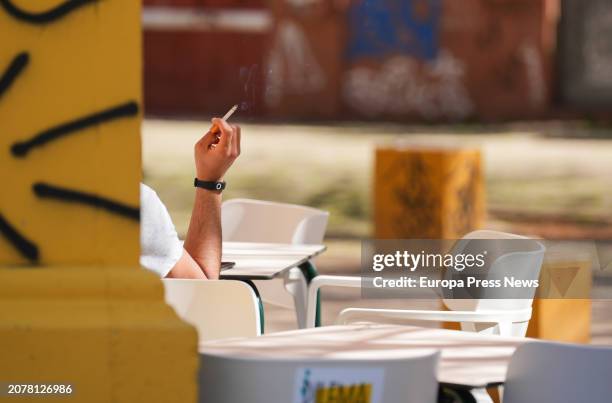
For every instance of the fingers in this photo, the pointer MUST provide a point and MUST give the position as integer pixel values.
(227, 134)
(208, 139)
(222, 126)
(224, 135)
(213, 136)
(215, 130)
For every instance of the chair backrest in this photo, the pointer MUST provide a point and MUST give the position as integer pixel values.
(553, 372)
(516, 254)
(218, 309)
(246, 220)
(511, 255)
(225, 379)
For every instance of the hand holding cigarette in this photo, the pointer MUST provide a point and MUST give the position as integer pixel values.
(214, 129)
(218, 149)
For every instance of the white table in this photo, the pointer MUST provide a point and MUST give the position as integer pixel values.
(265, 261)
(467, 359)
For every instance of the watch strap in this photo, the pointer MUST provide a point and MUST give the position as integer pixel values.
(209, 185)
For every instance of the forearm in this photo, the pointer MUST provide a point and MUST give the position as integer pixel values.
(203, 240)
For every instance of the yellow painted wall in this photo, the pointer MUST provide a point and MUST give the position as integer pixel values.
(88, 60)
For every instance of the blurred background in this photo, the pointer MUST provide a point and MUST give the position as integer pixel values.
(323, 83)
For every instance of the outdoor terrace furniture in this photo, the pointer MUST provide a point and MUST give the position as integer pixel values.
(246, 220)
(265, 261)
(555, 372)
(230, 307)
(218, 309)
(467, 360)
(507, 317)
(404, 377)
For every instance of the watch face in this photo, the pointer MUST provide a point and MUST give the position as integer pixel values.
(70, 121)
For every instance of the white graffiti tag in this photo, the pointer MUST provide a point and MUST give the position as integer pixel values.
(597, 49)
(535, 74)
(292, 66)
(403, 85)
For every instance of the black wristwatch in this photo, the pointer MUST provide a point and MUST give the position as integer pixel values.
(209, 185)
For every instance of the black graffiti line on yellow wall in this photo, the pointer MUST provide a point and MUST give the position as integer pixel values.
(44, 16)
(46, 190)
(13, 70)
(21, 148)
(26, 247)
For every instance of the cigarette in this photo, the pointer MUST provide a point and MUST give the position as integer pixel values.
(214, 129)
(230, 112)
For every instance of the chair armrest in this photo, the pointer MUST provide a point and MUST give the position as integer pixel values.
(521, 315)
(320, 281)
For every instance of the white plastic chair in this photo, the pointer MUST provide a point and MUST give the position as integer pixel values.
(218, 309)
(509, 317)
(231, 379)
(246, 220)
(554, 372)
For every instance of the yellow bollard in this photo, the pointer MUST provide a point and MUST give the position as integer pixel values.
(75, 308)
(563, 310)
(427, 193)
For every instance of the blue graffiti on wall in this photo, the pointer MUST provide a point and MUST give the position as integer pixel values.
(379, 28)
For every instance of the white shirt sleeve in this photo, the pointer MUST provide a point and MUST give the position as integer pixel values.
(160, 247)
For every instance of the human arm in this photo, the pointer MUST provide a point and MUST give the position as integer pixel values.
(186, 267)
(213, 156)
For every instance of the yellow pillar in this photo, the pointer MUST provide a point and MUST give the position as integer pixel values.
(75, 308)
